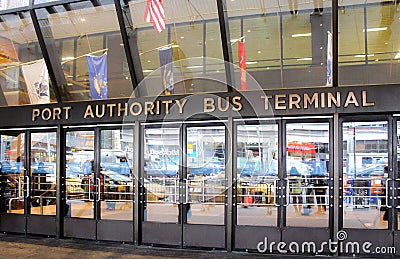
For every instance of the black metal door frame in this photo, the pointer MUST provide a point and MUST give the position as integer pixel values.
(180, 234)
(255, 238)
(38, 224)
(97, 228)
(10, 222)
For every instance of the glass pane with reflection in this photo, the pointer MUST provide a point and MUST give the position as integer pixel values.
(257, 175)
(160, 177)
(80, 179)
(206, 183)
(43, 173)
(307, 175)
(116, 163)
(12, 180)
(365, 160)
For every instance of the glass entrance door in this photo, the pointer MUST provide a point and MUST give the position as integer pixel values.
(283, 181)
(183, 186)
(367, 182)
(43, 183)
(99, 184)
(82, 182)
(307, 180)
(13, 182)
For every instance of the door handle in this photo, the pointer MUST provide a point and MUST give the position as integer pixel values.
(387, 192)
(28, 186)
(275, 190)
(186, 181)
(98, 189)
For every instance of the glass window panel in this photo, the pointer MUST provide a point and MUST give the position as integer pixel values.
(161, 180)
(206, 182)
(116, 163)
(192, 31)
(307, 166)
(364, 175)
(18, 47)
(286, 41)
(72, 35)
(80, 179)
(368, 48)
(43, 173)
(12, 180)
(257, 174)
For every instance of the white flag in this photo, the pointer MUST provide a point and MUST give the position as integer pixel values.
(37, 81)
(329, 60)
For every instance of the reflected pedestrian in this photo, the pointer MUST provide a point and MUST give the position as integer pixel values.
(318, 7)
(293, 7)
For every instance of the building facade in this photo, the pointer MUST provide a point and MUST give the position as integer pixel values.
(257, 126)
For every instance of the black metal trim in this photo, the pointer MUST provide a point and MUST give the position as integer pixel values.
(335, 43)
(51, 69)
(61, 189)
(225, 41)
(132, 63)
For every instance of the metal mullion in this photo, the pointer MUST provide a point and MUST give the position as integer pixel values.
(131, 52)
(335, 44)
(332, 205)
(225, 41)
(27, 154)
(61, 189)
(137, 168)
(97, 174)
(391, 173)
(230, 169)
(281, 220)
(54, 69)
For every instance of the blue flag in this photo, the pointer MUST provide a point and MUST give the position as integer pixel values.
(97, 68)
(167, 74)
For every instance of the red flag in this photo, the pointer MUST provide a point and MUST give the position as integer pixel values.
(242, 65)
(155, 14)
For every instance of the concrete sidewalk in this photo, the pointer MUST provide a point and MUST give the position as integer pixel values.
(19, 246)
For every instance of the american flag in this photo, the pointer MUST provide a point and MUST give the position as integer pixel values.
(155, 14)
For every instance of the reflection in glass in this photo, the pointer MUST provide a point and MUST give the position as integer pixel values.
(365, 160)
(18, 47)
(368, 44)
(257, 174)
(80, 180)
(116, 178)
(192, 31)
(12, 180)
(160, 178)
(73, 31)
(307, 172)
(43, 173)
(206, 183)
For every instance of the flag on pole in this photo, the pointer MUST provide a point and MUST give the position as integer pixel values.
(37, 81)
(329, 60)
(155, 14)
(242, 65)
(97, 70)
(167, 74)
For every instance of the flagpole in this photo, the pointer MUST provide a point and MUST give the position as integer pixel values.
(34, 61)
(158, 48)
(90, 53)
(19, 64)
(237, 40)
